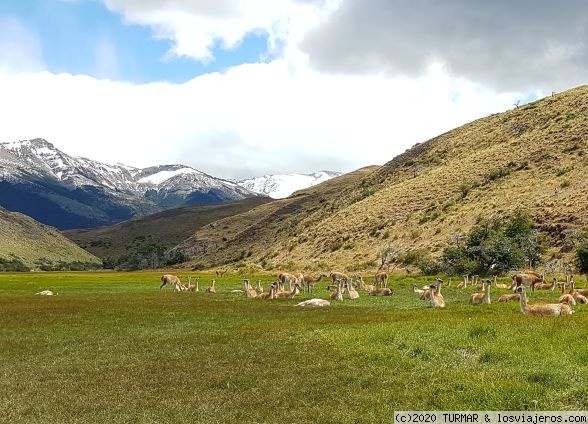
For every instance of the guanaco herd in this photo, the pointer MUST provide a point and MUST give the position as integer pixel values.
(288, 286)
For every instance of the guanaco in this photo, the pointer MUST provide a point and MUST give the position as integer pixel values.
(212, 288)
(579, 298)
(248, 290)
(172, 280)
(290, 294)
(482, 297)
(542, 309)
(353, 294)
(509, 297)
(338, 293)
(269, 295)
(436, 298)
(500, 285)
(381, 279)
(381, 291)
(546, 286)
(566, 297)
(310, 281)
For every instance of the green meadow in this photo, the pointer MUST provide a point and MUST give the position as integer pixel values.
(113, 348)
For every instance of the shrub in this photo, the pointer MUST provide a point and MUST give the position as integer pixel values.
(348, 245)
(411, 257)
(582, 257)
(361, 266)
(13, 265)
(493, 247)
(496, 174)
(428, 265)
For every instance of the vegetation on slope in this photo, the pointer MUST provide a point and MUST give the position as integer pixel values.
(531, 159)
(144, 242)
(26, 244)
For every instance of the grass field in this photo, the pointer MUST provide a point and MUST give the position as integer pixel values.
(112, 348)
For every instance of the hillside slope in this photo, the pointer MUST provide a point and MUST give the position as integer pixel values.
(530, 158)
(261, 233)
(161, 231)
(36, 246)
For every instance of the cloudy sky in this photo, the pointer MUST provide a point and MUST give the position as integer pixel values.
(240, 88)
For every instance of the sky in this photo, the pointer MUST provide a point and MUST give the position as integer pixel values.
(243, 88)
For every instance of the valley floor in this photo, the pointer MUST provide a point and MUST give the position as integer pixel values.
(113, 348)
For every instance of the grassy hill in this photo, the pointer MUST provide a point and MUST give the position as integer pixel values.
(28, 244)
(162, 230)
(531, 158)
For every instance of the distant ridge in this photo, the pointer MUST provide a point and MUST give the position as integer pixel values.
(73, 192)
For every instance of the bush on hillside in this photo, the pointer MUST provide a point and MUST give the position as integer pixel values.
(12, 265)
(149, 257)
(582, 256)
(495, 247)
(45, 264)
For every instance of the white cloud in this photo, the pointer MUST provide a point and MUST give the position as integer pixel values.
(277, 117)
(195, 26)
(253, 119)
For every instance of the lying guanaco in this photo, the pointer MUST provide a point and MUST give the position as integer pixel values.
(248, 290)
(546, 286)
(575, 293)
(269, 295)
(566, 297)
(500, 285)
(338, 293)
(482, 297)
(509, 297)
(353, 294)
(542, 309)
(583, 292)
(290, 294)
(381, 291)
(212, 288)
(436, 298)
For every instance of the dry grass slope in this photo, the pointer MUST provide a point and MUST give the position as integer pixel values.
(24, 239)
(531, 157)
(165, 229)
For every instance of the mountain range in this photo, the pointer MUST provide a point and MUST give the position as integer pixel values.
(283, 185)
(68, 192)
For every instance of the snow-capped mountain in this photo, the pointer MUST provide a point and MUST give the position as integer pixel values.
(74, 192)
(280, 186)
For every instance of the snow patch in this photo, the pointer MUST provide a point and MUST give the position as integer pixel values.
(281, 186)
(162, 176)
